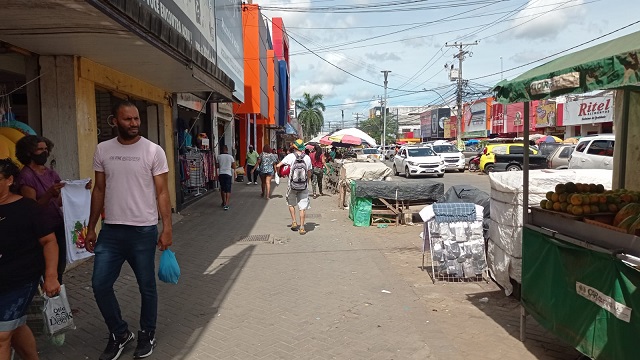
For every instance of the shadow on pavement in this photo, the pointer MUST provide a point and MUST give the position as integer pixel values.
(505, 311)
(185, 310)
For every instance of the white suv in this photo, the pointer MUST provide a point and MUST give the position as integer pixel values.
(418, 160)
(593, 152)
(453, 158)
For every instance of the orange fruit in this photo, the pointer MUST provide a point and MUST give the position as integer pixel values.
(586, 209)
(577, 210)
(576, 200)
(555, 197)
(586, 200)
(557, 206)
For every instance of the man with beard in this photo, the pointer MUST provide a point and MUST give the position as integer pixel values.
(131, 177)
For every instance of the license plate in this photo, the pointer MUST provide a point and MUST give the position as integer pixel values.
(429, 170)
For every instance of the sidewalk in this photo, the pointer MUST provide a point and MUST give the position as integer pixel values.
(317, 296)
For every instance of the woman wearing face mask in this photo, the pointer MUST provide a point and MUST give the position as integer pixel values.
(42, 184)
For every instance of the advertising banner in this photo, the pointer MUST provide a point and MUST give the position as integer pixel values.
(497, 119)
(447, 128)
(442, 117)
(425, 125)
(546, 114)
(230, 43)
(514, 117)
(589, 110)
(475, 117)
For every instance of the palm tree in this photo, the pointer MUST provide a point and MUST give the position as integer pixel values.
(310, 114)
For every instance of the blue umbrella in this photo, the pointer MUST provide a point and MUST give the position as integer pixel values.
(472, 142)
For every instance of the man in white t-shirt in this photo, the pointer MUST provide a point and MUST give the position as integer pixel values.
(131, 185)
(226, 166)
(298, 197)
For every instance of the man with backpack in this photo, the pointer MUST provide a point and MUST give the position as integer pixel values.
(299, 175)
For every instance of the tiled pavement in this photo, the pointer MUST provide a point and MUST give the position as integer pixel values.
(317, 296)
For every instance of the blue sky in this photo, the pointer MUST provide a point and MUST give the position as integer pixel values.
(374, 35)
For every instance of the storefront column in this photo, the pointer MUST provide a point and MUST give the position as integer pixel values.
(69, 115)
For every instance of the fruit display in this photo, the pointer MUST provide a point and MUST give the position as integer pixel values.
(593, 200)
(586, 199)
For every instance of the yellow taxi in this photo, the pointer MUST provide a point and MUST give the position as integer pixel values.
(488, 154)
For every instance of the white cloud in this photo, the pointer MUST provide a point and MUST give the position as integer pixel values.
(384, 56)
(526, 56)
(545, 19)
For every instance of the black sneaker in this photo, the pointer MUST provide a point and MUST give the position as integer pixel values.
(146, 343)
(116, 345)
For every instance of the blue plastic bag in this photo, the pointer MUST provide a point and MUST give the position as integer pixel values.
(169, 270)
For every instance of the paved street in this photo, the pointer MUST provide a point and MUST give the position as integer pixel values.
(339, 292)
(477, 179)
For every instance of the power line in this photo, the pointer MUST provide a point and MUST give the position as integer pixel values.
(394, 6)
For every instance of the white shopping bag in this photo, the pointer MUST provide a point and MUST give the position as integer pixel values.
(76, 206)
(277, 178)
(57, 313)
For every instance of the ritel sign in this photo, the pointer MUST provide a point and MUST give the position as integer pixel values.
(589, 110)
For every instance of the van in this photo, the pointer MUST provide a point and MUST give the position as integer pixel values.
(593, 152)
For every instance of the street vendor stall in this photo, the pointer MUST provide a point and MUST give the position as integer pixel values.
(580, 275)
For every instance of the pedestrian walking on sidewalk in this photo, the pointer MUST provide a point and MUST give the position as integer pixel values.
(131, 185)
(266, 166)
(226, 167)
(252, 159)
(319, 164)
(28, 251)
(298, 189)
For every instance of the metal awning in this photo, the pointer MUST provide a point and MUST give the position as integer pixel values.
(36, 25)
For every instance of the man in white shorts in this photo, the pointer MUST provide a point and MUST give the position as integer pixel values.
(299, 177)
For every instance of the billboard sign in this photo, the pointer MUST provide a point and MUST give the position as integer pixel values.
(546, 114)
(475, 117)
(230, 43)
(589, 110)
(425, 125)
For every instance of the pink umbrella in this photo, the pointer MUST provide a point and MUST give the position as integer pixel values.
(341, 140)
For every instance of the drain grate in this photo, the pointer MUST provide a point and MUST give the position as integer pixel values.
(255, 238)
(312, 216)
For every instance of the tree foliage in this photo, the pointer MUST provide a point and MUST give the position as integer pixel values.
(373, 128)
(310, 114)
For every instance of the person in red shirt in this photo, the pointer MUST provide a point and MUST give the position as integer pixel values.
(319, 164)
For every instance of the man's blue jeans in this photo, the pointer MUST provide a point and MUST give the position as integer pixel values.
(136, 245)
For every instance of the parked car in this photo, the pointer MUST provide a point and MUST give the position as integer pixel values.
(514, 162)
(547, 149)
(559, 159)
(418, 160)
(488, 154)
(593, 152)
(453, 158)
(368, 153)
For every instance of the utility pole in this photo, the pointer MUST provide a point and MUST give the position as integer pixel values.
(342, 118)
(358, 115)
(384, 109)
(329, 126)
(460, 55)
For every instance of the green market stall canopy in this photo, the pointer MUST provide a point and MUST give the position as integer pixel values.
(610, 65)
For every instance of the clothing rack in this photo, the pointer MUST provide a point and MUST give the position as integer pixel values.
(196, 181)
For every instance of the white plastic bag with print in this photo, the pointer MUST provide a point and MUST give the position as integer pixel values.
(57, 314)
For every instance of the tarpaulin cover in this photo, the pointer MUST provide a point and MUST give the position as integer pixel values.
(588, 299)
(401, 190)
(504, 249)
(360, 210)
(470, 194)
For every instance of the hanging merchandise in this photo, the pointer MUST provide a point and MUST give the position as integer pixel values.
(76, 205)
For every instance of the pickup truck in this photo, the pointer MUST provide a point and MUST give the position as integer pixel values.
(513, 162)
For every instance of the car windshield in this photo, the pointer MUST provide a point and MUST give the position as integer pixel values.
(370, 151)
(440, 149)
(421, 152)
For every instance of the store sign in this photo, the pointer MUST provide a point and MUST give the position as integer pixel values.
(425, 124)
(230, 43)
(604, 301)
(193, 20)
(589, 110)
(546, 86)
(190, 101)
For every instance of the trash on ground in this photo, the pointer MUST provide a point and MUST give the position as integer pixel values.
(386, 291)
(382, 226)
(484, 300)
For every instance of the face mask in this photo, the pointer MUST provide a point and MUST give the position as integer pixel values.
(41, 158)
